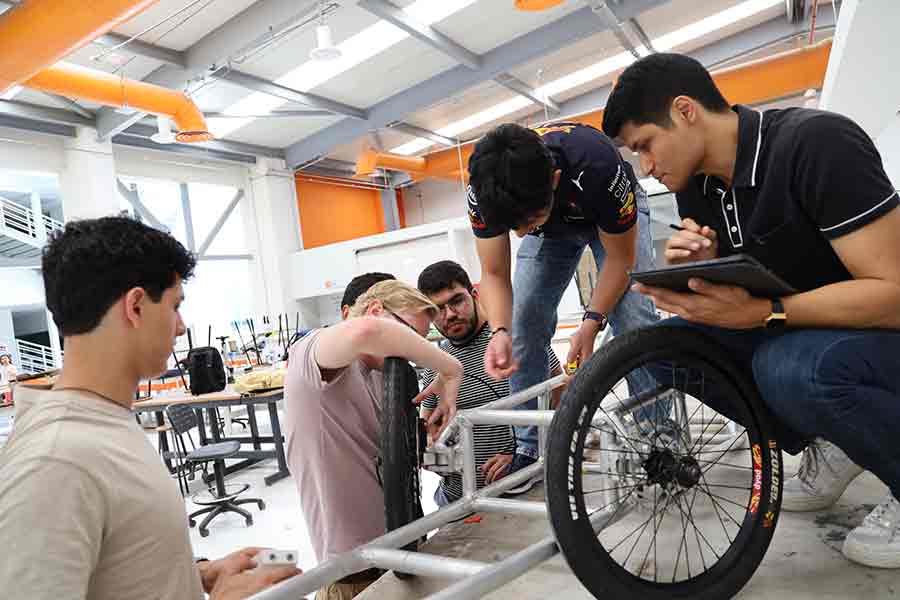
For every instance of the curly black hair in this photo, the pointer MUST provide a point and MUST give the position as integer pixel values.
(645, 90)
(90, 264)
(511, 175)
(360, 284)
(442, 275)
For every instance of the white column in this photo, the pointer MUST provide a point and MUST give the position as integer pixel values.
(38, 213)
(8, 336)
(271, 219)
(88, 178)
(53, 332)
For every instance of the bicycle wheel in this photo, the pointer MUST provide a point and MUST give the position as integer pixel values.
(399, 446)
(669, 507)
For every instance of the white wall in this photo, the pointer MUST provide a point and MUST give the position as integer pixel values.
(21, 287)
(433, 200)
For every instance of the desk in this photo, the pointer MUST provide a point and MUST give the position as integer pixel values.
(227, 398)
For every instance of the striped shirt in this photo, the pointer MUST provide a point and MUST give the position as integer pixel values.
(477, 389)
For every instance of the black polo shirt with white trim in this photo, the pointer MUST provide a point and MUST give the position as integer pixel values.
(802, 177)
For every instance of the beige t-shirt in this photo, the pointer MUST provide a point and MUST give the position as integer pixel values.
(332, 436)
(87, 509)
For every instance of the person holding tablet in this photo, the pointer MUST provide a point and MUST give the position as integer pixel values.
(804, 192)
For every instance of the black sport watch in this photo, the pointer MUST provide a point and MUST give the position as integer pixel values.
(595, 316)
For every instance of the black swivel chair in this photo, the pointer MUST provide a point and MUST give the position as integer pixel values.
(220, 499)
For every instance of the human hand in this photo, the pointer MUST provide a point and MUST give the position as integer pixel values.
(236, 562)
(726, 306)
(498, 358)
(243, 585)
(581, 343)
(496, 467)
(691, 244)
(446, 388)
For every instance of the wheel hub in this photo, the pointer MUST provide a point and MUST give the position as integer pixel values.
(664, 468)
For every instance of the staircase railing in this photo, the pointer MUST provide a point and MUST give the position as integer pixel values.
(35, 358)
(21, 219)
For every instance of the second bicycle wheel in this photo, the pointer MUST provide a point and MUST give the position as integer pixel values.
(399, 447)
(653, 503)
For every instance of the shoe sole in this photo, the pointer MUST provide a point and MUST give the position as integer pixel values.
(863, 555)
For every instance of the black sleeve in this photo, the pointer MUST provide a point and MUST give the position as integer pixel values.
(606, 184)
(479, 227)
(841, 182)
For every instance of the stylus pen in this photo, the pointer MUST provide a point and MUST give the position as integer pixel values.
(676, 227)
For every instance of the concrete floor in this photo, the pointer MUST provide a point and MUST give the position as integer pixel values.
(804, 561)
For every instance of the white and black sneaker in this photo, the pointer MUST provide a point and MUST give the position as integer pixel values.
(876, 543)
(824, 475)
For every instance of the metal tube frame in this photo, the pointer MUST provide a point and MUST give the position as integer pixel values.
(477, 578)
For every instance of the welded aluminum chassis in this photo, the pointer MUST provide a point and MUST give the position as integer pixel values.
(475, 578)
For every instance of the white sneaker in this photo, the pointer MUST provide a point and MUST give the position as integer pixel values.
(824, 475)
(876, 543)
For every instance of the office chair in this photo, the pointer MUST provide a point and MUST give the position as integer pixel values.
(220, 499)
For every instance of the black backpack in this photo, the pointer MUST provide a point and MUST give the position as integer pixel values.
(206, 370)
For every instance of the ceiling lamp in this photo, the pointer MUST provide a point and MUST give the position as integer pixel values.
(164, 134)
(325, 49)
(537, 4)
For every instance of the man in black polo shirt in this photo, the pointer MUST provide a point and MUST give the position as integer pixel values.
(803, 191)
(560, 187)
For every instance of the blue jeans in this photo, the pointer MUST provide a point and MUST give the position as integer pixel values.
(544, 268)
(838, 384)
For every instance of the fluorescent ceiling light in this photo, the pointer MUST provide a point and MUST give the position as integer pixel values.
(354, 50)
(603, 68)
(11, 92)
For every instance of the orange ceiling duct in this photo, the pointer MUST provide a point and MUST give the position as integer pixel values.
(536, 4)
(38, 33)
(778, 76)
(370, 160)
(110, 90)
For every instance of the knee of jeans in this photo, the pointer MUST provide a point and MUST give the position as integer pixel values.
(783, 376)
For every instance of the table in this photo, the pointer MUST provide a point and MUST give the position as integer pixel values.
(224, 399)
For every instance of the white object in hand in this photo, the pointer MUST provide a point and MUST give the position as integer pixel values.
(278, 558)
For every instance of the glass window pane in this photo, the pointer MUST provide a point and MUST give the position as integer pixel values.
(219, 293)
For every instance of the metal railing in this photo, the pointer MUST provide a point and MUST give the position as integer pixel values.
(21, 219)
(35, 358)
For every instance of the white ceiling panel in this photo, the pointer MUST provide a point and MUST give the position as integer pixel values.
(408, 63)
(194, 20)
(120, 62)
(483, 26)
(281, 132)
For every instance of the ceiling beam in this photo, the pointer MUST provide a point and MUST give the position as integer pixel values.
(641, 35)
(137, 47)
(258, 84)
(415, 131)
(24, 110)
(518, 86)
(68, 104)
(424, 33)
(603, 10)
(275, 114)
(192, 150)
(251, 150)
(535, 44)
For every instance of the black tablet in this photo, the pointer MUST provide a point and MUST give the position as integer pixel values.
(741, 269)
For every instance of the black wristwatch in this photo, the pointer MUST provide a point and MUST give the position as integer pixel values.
(777, 318)
(595, 316)
(498, 330)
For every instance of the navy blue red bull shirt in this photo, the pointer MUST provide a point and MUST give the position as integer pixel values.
(596, 187)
